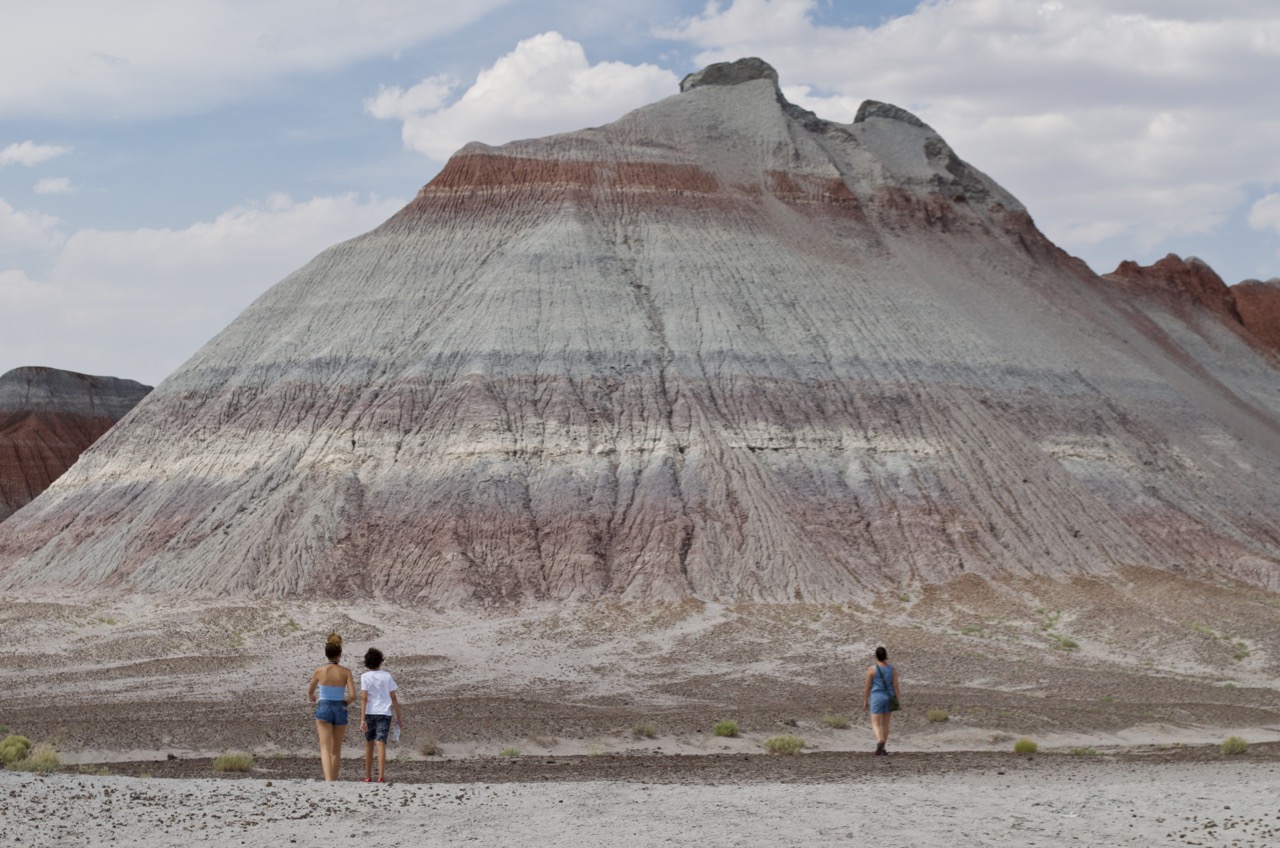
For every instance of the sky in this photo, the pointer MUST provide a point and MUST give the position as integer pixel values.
(162, 164)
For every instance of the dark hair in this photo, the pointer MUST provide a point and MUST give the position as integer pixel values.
(882, 655)
(333, 646)
(373, 659)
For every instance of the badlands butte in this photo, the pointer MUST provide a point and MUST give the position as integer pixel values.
(675, 419)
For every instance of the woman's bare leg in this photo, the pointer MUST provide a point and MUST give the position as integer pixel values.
(325, 730)
(884, 728)
(335, 750)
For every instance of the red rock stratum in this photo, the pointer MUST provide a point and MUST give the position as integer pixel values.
(720, 348)
(47, 418)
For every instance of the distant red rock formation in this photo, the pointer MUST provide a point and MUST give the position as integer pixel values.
(47, 419)
(1259, 306)
(1189, 280)
(1190, 283)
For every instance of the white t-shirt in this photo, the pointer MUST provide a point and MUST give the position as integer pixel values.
(379, 684)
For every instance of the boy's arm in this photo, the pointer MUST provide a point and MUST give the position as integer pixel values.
(395, 702)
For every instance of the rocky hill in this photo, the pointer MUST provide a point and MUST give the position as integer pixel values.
(47, 419)
(721, 348)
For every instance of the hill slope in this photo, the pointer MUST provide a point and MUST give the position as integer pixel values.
(719, 348)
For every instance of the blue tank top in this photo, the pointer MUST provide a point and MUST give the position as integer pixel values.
(331, 693)
(882, 681)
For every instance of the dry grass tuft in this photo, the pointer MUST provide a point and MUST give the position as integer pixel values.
(1234, 745)
(1025, 746)
(240, 762)
(837, 721)
(789, 744)
(726, 727)
(43, 758)
(13, 749)
(937, 715)
(645, 729)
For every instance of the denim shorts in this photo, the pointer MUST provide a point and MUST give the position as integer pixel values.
(334, 712)
(377, 727)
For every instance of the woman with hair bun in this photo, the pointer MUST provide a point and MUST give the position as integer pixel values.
(879, 698)
(332, 689)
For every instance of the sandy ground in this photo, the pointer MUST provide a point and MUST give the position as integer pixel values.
(1014, 801)
(1127, 685)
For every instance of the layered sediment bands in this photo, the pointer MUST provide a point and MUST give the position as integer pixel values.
(718, 348)
(47, 418)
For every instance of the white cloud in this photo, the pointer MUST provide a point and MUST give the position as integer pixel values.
(137, 303)
(393, 102)
(53, 185)
(29, 153)
(545, 85)
(1150, 114)
(70, 58)
(1265, 214)
(27, 230)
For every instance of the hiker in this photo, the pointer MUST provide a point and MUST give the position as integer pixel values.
(332, 689)
(880, 698)
(377, 703)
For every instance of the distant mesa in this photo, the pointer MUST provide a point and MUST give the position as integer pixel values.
(719, 348)
(47, 419)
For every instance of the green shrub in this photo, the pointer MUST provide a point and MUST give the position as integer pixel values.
(14, 748)
(43, 758)
(1025, 746)
(233, 762)
(645, 729)
(727, 727)
(938, 715)
(509, 752)
(1234, 745)
(788, 744)
(836, 721)
(1241, 651)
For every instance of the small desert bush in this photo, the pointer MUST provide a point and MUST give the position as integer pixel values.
(1241, 651)
(1234, 745)
(726, 727)
(837, 721)
(788, 744)
(509, 752)
(937, 715)
(1025, 746)
(1063, 643)
(1083, 752)
(43, 758)
(645, 729)
(233, 762)
(14, 748)
(430, 747)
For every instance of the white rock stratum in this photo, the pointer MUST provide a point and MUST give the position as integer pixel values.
(719, 348)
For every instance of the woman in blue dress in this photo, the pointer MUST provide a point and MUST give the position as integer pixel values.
(332, 689)
(882, 682)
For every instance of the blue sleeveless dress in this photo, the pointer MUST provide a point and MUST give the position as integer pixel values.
(881, 689)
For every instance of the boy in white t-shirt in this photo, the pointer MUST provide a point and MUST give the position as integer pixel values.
(377, 703)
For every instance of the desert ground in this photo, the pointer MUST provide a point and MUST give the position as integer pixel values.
(1127, 684)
